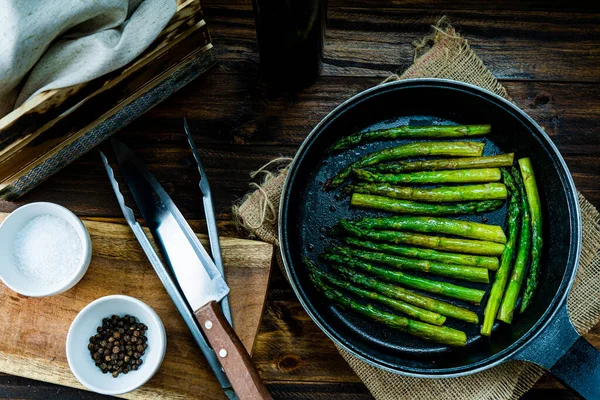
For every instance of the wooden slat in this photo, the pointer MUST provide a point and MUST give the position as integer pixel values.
(246, 110)
(23, 388)
(442, 5)
(557, 393)
(369, 42)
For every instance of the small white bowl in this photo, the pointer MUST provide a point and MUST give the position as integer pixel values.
(84, 326)
(9, 229)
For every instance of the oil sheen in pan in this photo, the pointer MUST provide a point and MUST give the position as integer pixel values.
(323, 209)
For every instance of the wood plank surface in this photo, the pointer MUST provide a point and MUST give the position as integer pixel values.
(372, 41)
(546, 53)
(34, 329)
(444, 5)
(247, 124)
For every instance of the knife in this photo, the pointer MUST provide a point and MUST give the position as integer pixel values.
(170, 285)
(201, 283)
(209, 214)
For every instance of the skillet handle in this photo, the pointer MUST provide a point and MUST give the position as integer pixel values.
(566, 355)
(579, 369)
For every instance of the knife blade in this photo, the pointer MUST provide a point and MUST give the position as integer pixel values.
(209, 214)
(195, 271)
(169, 284)
(199, 279)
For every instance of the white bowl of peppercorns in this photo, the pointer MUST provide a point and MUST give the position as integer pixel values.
(115, 344)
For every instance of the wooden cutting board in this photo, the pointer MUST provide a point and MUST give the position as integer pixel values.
(34, 330)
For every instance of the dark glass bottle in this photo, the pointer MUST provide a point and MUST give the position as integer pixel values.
(290, 39)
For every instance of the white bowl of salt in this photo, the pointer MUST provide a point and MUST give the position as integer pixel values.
(44, 250)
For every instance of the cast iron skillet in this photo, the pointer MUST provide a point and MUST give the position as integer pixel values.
(542, 335)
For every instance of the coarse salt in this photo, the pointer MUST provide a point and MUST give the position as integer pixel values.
(47, 250)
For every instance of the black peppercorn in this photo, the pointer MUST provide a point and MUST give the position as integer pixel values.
(118, 345)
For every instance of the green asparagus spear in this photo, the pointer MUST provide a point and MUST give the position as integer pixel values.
(445, 226)
(413, 207)
(460, 272)
(467, 246)
(488, 191)
(497, 291)
(431, 177)
(490, 263)
(418, 132)
(410, 281)
(414, 298)
(501, 160)
(535, 209)
(450, 149)
(507, 308)
(439, 334)
(398, 305)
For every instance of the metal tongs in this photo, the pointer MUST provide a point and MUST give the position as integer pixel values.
(194, 280)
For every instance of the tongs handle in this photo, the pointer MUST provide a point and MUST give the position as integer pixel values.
(232, 354)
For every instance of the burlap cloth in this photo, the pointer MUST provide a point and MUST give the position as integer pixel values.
(444, 54)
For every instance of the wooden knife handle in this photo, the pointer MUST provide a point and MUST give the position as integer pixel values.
(232, 354)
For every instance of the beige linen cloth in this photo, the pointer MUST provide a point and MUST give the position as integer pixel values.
(50, 44)
(445, 54)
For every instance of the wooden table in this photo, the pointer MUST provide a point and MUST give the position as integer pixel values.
(547, 55)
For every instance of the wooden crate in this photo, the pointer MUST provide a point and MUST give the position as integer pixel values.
(56, 127)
